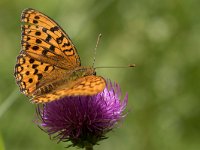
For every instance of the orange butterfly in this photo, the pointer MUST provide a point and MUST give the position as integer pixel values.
(48, 66)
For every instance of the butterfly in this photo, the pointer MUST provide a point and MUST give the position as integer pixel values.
(48, 66)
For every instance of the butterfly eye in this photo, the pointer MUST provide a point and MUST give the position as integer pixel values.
(94, 73)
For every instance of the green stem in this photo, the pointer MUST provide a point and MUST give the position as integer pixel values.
(89, 147)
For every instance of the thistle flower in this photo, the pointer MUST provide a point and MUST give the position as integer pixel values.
(83, 120)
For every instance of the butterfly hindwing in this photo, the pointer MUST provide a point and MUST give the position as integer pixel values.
(29, 72)
(89, 85)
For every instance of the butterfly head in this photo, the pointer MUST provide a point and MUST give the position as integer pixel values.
(89, 71)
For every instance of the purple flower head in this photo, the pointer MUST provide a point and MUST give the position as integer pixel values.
(83, 120)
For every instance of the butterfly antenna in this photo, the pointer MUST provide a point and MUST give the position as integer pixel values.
(129, 66)
(95, 49)
(94, 58)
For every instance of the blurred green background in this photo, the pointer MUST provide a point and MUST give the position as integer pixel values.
(161, 37)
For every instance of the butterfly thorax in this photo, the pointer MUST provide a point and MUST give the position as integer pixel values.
(66, 79)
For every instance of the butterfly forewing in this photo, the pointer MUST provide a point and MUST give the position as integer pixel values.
(41, 31)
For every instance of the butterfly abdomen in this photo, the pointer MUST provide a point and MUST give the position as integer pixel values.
(44, 90)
